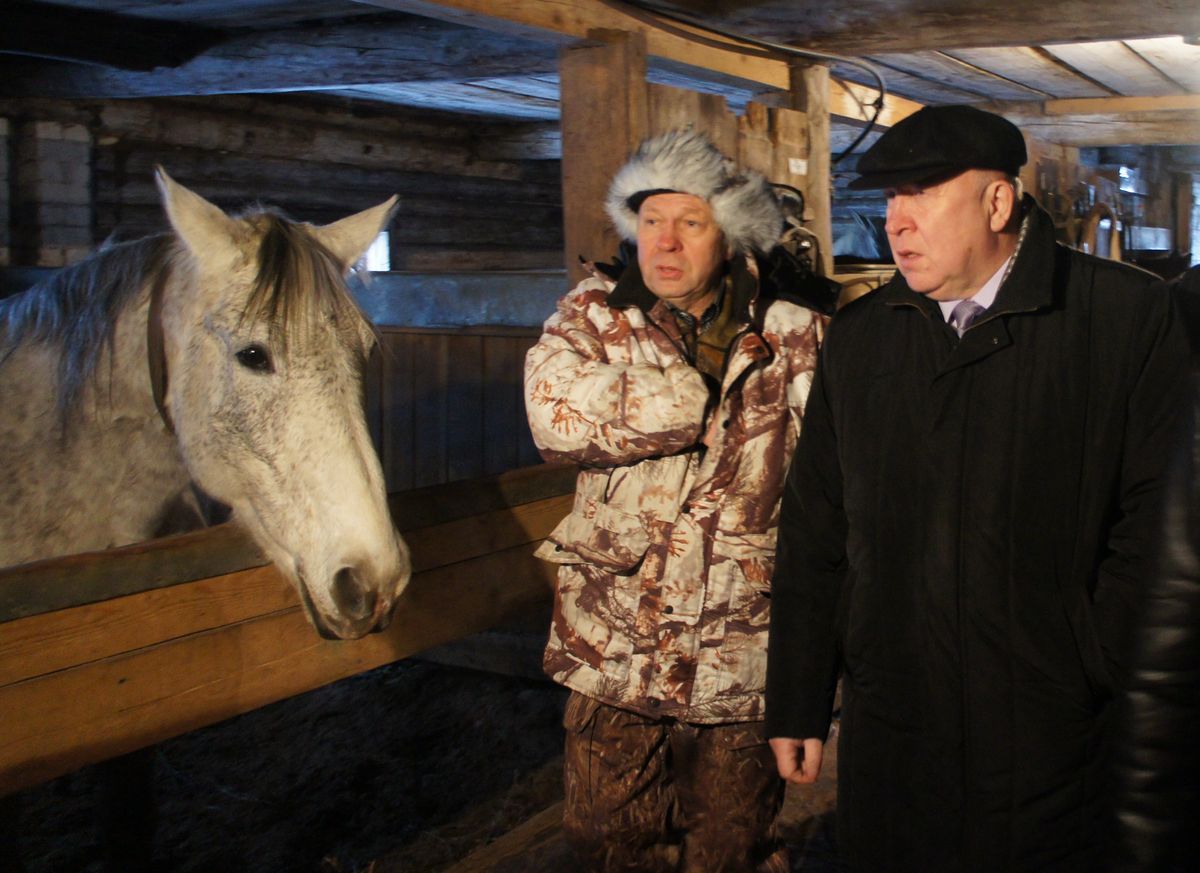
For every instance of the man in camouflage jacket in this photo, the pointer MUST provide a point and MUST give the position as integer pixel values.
(679, 390)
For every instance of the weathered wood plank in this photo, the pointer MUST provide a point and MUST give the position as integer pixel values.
(459, 97)
(464, 407)
(563, 18)
(852, 102)
(1175, 59)
(950, 72)
(110, 707)
(41, 586)
(1094, 126)
(1031, 67)
(431, 366)
(91, 36)
(1185, 103)
(901, 87)
(813, 84)
(555, 19)
(871, 26)
(604, 117)
(1116, 66)
(387, 49)
(504, 423)
(72, 580)
(41, 644)
(396, 351)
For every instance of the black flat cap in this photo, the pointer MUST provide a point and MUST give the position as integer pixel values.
(938, 142)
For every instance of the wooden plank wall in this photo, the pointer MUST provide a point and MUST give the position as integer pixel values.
(447, 405)
(466, 201)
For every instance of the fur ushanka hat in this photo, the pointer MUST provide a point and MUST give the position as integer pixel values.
(684, 162)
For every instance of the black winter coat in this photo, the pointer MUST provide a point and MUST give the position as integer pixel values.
(966, 528)
(1156, 750)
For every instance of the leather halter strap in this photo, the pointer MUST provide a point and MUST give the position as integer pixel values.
(156, 350)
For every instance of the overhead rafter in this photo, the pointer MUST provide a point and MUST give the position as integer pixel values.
(1109, 121)
(558, 20)
(85, 36)
(872, 26)
(360, 52)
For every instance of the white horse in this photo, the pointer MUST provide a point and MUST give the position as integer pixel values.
(229, 355)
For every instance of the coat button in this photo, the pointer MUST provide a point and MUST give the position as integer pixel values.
(725, 423)
(654, 702)
(687, 510)
(558, 547)
(668, 609)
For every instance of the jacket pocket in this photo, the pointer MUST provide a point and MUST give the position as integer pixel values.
(740, 593)
(599, 534)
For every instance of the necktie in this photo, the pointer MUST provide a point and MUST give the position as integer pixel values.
(964, 314)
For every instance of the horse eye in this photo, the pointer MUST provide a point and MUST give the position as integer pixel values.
(256, 357)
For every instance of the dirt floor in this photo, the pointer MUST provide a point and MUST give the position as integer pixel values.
(411, 768)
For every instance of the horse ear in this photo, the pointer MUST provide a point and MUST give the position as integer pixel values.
(350, 237)
(203, 227)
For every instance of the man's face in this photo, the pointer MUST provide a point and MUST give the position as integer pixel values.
(945, 236)
(680, 249)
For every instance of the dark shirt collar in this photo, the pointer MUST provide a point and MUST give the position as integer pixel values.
(631, 290)
(710, 313)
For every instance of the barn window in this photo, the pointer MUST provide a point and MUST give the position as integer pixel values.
(379, 256)
(1195, 234)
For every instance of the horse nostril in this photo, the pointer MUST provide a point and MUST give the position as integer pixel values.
(354, 601)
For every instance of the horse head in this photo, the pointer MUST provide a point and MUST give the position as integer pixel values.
(263, 351)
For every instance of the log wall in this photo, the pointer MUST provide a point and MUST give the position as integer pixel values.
(465, 201)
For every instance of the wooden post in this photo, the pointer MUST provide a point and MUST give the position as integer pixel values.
(810, 85)
(1182, 186)
(604, 117)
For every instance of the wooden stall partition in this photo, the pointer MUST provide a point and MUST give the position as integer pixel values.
(448, 404)
(608, 108)
(203, 629)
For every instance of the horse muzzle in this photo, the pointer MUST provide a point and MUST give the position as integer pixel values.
(360, 605)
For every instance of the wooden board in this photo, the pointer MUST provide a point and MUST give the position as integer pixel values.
(1031, 67)
(1116, 66)
(604, 117)
(453, 405)
(948, 71)
(1171, 56)
(98, 680)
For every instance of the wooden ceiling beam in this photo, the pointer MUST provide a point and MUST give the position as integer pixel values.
(85, 36)
(1184, 103)
(565, 20)
(1109, 121)
(355, 53)
(878, 26)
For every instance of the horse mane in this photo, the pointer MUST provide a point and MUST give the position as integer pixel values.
(77, 309)
(299, 281)
(298, 289)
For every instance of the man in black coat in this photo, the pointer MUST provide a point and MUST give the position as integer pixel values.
(1157, 758)
(969, 518)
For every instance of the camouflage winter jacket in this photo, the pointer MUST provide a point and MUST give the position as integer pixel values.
(663, 594)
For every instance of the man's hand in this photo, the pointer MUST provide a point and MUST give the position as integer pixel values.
(798, 761)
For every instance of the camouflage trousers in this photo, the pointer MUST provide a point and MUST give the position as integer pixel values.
(651, 795)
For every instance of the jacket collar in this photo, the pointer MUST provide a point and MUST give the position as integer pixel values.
(631, 289)
(1029, 285)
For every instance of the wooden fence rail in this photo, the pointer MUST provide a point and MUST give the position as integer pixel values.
(104, 653)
